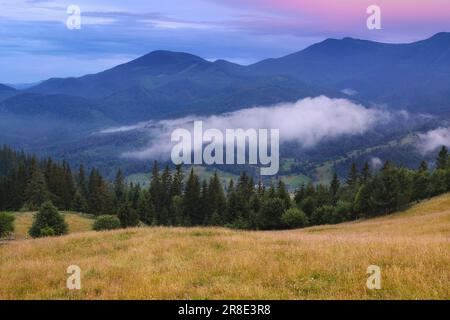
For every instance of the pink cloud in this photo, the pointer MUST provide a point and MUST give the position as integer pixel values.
(403, 19)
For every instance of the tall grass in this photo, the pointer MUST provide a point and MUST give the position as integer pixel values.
(324, 262)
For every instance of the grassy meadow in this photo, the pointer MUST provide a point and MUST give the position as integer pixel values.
(412, 248)
(77, 223)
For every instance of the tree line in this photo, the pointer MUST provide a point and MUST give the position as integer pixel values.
(175, 198)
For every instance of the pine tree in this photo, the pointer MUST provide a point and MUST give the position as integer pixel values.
(79, 203)
(98, 195)
(205, 204)
(47, 222)
(423, 167)
(283, 194)
(127, 215)
(334, 187)
(36, 192)
(177, 182)
(216, 199)
(192, 201)
(119, 189)
(366, 173)
(146, 210)
(166, 198)
(232, 203)
(156, 192)
(352, 177)
(442, 159)
(81, 182)
(299, 194)
(68, 186)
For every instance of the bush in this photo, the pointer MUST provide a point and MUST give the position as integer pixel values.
(294, 218)
(322, 215)
(48, 222)
(128, 216)
(269, 216)
(342, 212)
(106, 222)
(6, 224)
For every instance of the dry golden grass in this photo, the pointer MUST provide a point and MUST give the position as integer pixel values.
(77, 223)
(327, 262)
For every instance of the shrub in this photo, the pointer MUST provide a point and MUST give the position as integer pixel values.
(48, 222)
(294, 218)
(128, 216)
(322, 215)
(308, 205)
(6, 224)
(106, 222)
(342, 212)
(269, 216)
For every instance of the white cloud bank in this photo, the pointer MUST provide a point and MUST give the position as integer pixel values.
(434, 139)
(308, 121)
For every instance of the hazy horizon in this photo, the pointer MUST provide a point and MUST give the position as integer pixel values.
(36, 44)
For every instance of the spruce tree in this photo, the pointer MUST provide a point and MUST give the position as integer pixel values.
(283, 194)
(334, 187)
(216, 199)
(81, 182)
(146, 210)
(47, 222)
(366, 173)
(442, 159)
(36, 192)
(127, 215)
(192, 201)
(156, 191)
(352, 177)
(119, 188)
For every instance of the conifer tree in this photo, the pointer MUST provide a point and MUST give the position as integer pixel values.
(352, 177)
(216, 198)
(177, 182)
(119, 188)
(146, 210)
(192, 201)
(127, 215)
(366, 173)
(283, 194)
(48, 222)
(442, 159)
(156, 191)
(334, 187)
(36, 192)
(81, 182)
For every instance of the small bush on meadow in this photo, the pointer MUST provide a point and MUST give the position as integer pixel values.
(48, 222)
(6, 224)
(294, 218)
(106, 222)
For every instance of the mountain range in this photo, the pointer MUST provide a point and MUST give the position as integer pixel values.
(164, 84)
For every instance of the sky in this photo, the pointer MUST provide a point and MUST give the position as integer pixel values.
(35, 43)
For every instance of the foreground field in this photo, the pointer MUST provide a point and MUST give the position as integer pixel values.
(327, 262)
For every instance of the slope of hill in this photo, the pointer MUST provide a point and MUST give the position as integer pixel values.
(414, 76)
(326, 262)
(163, 83)
(6, 92)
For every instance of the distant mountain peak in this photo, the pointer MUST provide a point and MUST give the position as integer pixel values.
(442, 35)
(6, 88)
(165, 57)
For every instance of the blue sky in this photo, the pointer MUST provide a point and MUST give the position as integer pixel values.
(36, 44)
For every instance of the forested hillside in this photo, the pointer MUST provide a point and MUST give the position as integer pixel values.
(174, 198)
